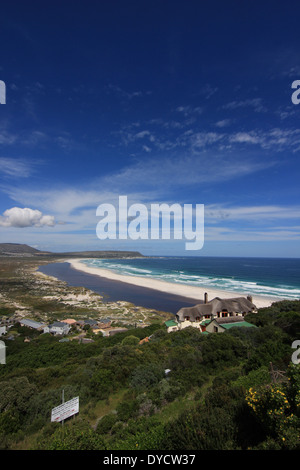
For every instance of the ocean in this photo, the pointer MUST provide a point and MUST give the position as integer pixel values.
(269, 277)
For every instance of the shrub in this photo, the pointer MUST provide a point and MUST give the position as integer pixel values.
(106, 423)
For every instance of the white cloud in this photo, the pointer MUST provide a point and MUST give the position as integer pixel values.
(223, 123)
(25, 217)
(246, 137)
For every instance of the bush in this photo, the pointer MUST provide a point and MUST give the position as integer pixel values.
(144, 377)
(106, 423)
(127, 409)
(78, 436)
(131, 340)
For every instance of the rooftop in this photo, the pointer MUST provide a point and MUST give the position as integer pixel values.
(240, 323)
(31, 323)
(58, 324)
(170, 323)
(233, 305)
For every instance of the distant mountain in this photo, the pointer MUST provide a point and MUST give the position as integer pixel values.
(100, 254)
(17, 249)
(22, 250)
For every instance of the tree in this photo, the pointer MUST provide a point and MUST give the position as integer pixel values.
(15, 394)
(146, 376)
(130, 340)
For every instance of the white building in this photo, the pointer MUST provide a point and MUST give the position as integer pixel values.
(57, 328)
(35, 325)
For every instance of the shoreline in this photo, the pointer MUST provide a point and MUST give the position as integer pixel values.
(182, 290)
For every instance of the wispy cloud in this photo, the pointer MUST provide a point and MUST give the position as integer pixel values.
(223, 123)
(7, 138)
(129, 95)
(259, 213)
(275, 139)
(254, 103)
(209, 90)
(252, 223)
(183, 171)
(151, 178)
(175, 135)
(221, 233)
(189, 110)
(16, 167)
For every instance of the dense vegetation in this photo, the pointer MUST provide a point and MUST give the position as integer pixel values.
(235, 390)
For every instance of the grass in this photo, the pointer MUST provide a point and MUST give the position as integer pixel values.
(105, 407)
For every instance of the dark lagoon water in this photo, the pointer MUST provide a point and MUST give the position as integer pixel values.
(114, 290)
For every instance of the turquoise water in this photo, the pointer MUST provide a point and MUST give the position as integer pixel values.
(270, 277)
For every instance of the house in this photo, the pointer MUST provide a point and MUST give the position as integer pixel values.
(57, 328)
(217, 308)
(104, 323)
(70, 321)
(171, 325)
(35, 325)
(199, 316)
(86, 340)
(220, 325)
(193, 316)
(105, 332)
(91, 323)
(117, 330)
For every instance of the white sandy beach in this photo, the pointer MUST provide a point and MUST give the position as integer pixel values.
(183, 290)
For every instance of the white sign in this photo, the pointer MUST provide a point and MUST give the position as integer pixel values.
(65, 410)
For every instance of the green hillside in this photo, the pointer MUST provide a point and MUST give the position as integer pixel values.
(235, 390)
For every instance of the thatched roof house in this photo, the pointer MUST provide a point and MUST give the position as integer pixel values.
(216, 308)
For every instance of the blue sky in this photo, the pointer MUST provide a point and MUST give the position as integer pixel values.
(162, 101)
